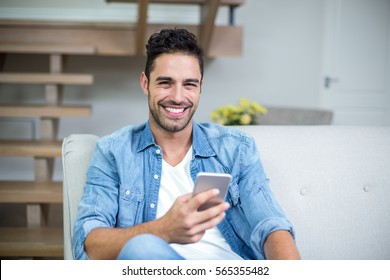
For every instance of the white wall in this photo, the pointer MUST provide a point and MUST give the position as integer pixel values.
(281, 60)
(281, 64)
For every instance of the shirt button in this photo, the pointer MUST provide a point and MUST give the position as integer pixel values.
(152, 205)
(158, 151)
(127, 192)
(303, 191)
(155, 176)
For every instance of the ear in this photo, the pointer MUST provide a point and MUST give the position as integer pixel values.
(144, 83)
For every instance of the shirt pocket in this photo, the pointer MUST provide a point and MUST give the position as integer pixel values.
(233, 196)
(235, 214)
(130, 206)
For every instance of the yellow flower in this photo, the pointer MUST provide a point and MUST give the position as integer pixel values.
(221, 121)
(244, 114)
(245, 119)
(258, 108)
(244, 103)
(214, 115)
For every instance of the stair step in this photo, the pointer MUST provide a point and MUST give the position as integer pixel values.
(30, 192)
(46, 48)
(28, 148)
(44, 111)
(31, 242)
(46, 78)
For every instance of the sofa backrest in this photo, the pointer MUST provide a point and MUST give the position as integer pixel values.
(295, 116)
(333, 183)
(76, 153)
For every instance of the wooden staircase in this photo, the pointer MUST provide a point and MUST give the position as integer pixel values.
(122, 38)
(37, 239)
(58, 39)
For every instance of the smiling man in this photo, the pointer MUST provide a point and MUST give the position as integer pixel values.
(138, 202)
(173, 90)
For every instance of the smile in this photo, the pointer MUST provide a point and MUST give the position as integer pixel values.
(174, 110)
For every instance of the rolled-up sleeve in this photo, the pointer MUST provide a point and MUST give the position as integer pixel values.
(98, 205)
(261, 209)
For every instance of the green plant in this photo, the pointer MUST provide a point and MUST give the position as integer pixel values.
(246, 113)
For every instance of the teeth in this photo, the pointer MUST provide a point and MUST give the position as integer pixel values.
(175, 110)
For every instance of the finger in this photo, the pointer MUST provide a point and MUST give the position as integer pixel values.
(196, 201)
(212, 212)
(215, 210)
(185, 198)
(195, 238)
(208, 224)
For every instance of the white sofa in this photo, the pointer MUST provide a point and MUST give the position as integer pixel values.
(333, 183)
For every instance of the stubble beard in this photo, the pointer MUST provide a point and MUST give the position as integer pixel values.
(166, 123)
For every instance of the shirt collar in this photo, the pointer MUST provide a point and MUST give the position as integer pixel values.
(145, 137)
(200, 143)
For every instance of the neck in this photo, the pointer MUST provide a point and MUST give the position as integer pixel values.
(174, 145)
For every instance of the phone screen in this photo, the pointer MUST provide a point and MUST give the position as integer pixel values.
(206, 181)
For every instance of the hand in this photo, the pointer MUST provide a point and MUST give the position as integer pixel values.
(184, 224)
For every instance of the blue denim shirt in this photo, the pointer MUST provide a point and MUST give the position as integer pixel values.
(124, 175)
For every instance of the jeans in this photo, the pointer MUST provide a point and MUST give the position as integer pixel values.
(148, 247)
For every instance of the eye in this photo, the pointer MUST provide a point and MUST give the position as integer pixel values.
(164, 83)
(190, 85)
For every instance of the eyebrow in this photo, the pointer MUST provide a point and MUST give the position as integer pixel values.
(196, 81)
(163, 78)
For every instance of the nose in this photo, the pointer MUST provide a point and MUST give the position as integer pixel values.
(177, 94)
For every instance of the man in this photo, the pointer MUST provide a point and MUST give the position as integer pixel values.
(137, 202)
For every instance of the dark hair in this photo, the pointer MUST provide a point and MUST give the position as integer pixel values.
(170, 41)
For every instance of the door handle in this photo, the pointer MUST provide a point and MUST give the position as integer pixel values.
(328, 80)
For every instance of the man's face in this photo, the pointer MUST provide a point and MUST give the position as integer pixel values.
(173, 91)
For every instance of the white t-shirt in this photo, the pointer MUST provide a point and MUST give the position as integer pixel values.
(176, 181)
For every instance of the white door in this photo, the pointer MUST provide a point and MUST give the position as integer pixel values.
(356, 61)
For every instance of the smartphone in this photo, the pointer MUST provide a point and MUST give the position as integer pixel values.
(206, 181)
